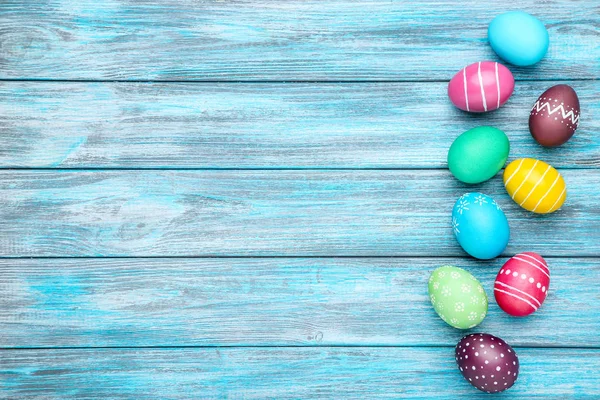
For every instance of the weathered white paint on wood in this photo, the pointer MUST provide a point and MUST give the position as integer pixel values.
(280, 40)
(284, 373)
(272, 302)
(270, 213)
(364, 125)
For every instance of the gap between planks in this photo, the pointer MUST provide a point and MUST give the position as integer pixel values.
(94, 169)
(242, 257)
(351, 346)
(262, 81)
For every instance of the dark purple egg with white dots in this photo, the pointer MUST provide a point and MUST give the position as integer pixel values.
(487, 362)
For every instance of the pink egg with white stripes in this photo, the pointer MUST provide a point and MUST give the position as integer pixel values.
(522, 284)
(482, 86)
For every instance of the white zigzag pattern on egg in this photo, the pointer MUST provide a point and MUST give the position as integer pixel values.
(539, 107)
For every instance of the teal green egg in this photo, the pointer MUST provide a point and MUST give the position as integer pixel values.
(478, 154)
(457, 297)
(518, 38)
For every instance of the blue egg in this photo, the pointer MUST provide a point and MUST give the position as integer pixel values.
(480, 225)
(518, 38)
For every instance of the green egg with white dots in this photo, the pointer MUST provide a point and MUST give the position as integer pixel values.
(457, 297)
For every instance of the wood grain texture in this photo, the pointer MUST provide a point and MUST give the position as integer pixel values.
(366, 125)
(270, 213)
(281, 40)
(272, 302)
(292, 327)
(285, 373)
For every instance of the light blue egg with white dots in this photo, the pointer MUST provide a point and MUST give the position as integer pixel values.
(480, 226)
(518, 38)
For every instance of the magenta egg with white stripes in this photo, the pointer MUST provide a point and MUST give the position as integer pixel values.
(482, 86)
(522, 284)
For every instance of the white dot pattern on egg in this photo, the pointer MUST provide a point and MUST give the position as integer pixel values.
(523, 291)
(457, 297)
(492, 366)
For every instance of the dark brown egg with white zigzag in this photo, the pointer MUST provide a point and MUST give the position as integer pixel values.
(554, 116)
(487, 362)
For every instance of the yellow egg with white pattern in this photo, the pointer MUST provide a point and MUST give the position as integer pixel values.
(535, 185)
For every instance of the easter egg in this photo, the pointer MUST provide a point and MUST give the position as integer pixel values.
(480, 225)
(518, 38)
(555, 116)
(478, 154)
(535, 185)
(487, 362)
(522, 284)
(480, 87)
(457, 297)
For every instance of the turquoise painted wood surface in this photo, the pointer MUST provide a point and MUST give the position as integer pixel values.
(271, 213)
(264, 125)
(285, 373)
(272, 302)
(186, 232)
(279, 40)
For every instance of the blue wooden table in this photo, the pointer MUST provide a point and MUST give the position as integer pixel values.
(245, 199)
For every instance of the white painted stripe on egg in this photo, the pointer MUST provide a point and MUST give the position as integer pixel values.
(536, 185)
(514, 295)
(525, 180)
(532, 264)
(559, 197)
(465, 84)
(534, 259)
(549, 190)
(514, 173)
(520, 291)
(497, 85)
(481, 86)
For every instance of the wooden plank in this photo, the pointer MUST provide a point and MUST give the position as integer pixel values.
(270, 213)
(284, 373)
(366, 125)
(279, 40)
(266, 302)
